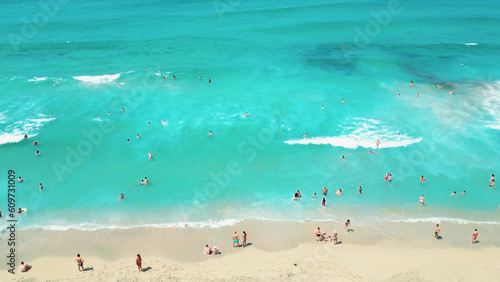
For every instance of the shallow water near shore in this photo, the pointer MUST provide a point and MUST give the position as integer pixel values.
(278, 61)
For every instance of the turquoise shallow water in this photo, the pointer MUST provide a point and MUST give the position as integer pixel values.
(278, 61)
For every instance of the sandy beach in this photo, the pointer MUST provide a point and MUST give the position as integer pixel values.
(276, 251)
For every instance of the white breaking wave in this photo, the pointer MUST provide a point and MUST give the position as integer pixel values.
(89, 226)
(470, 44)
(15, 133)
(491, 104)
(362, 133)
(442, 219)
(99, 79)
(36, 79)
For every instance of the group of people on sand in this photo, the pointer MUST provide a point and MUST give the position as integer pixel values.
(208, 251)
(236, 239)
(321, 236)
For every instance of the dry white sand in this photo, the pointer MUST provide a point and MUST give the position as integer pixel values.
(277, 251)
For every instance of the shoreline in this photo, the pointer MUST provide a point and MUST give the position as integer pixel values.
(366, 253)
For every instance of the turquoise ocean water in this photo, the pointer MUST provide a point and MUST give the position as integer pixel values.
(280, 61)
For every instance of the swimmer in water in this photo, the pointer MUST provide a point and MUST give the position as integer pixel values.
(422, 179)
(322, 106)
(142, 182)
(128, 140)
(371, 152)
(209, 80)
(295, 196)
(150, 155)
(20, 180)
(123, 109)
(164, 78)
(343, 157)
(200, 77)
(422, 200)
(399, 95)
(359, 190)
(492, 180)
(247, 114)
(418, 94)
(323, 203)
(173, 76)
(305, 135)
(138, 136)
(55, 83)
(298, 193)
(37, 153)
(342, 100)
(149, 123)
(211, 133)
(163, 122)
(439, 86)
(454, 193)
(146, 180)
(451, 92)
(463, 193)
(325, 191)
(35, 143)
(461, 64)
(121, 197)
(41, 187)
(109, 113)
(339, 192)
(411, 83)
(25, 136)
(314, 196)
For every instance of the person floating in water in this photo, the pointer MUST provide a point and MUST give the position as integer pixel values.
(150, 155)
(211, 133)
(305, 135)
(422, 179)
(325, 191)
(209, 80)
(454, 193)
(339, 192)
(121, 197)
(411, 83)
(41, 187)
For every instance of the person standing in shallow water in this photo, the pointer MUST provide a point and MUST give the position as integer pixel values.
(436, 231)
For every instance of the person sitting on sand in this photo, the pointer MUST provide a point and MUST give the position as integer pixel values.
(208, 250)
(236, 239)
(323, 237)
(216, 250)
(25, 267)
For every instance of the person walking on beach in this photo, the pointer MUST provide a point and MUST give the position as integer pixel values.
(236, 239)
(474, 237)
(244, 243)
(318, 234)
(436, 231)
(79, 262)
(346, 225)
(422, 200)
(138, 262)
(334, 237)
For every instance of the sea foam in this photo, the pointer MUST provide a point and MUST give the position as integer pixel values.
(98, 79)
